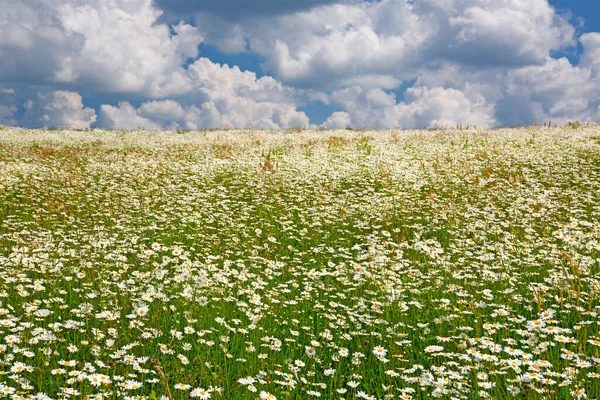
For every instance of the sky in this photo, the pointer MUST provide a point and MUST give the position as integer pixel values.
(278, 64)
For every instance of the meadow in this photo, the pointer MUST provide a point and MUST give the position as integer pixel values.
(452, 264)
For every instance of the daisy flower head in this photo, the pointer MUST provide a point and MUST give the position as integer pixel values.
(579, 394)
(201, 393)
(379, 351)
(182, 386)
(310, 351)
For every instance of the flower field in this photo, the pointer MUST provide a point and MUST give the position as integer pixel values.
(301, 264)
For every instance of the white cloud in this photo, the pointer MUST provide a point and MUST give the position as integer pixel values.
(506, 32)
(164, 111)
(554, 91)
(102, 46)
(122, 49)
(124, 116)
(425, 107)
(58, 108)
(219, 96)
(379, 44)
(338, 119)
(591, 53)
(439, 107)
(125, 51)
(338, 45)
(238, 99)
(208, 115)
(475, 62)
(33, 41)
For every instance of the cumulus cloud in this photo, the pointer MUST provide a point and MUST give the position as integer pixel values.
(220, 96)
(102, 46)
(556, 91)
(124, 116)
(237, 9)
(439, 107)
(475, 62)
(424, 107)
(34, 43)
(335, 44)
(338, 119)
(238, 99)
(505, 32)
(58, 108)
(379, 44)
(125, 51)
(164, 111)
(590, 58)
(210, 114)
(120, 47)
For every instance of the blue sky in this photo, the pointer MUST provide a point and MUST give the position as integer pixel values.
(585, 16)
(168, 64)
(589, 10)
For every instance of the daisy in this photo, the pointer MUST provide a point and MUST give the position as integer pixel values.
(200, 393)
(203, 301)
(247, 380)
(182, 386)
(132, 385)
(579, 394)
(6, 390)
(95, 379)
(379, 351)
(310, 351)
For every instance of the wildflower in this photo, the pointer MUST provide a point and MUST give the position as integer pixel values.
(181, 386)
(6, 390)
(514, 390)
(141, 311)
(95, 379)
(579, 394)
(201, 393)
(433, 349)
(203, 300)
(132, 385)
(183, 359)
(247, 380)
(379, 351)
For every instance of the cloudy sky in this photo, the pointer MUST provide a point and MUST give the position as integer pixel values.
(164, 64)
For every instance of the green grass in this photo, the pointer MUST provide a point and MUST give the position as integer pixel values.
(154, 259)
